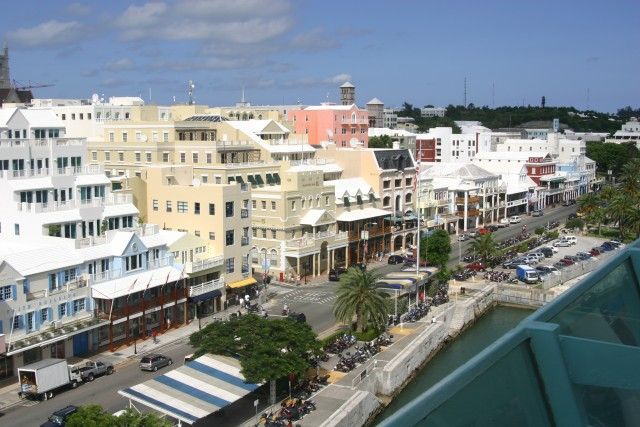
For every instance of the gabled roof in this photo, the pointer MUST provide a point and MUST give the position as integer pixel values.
(350, 187)
(347, 84)
(394, 159)
(375, 101)
(316, 217)
(41, 118)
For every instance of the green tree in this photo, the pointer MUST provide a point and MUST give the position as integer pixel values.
(436, 248)
(611, 157)
(484, 246)
(575, 223)
(268, 349)
(357, 295)
(95, 416)
(382, 141)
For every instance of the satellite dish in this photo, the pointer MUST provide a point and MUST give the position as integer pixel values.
(143, 137)
(330, 134)
(95, 99)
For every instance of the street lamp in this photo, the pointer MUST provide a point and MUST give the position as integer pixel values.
(198, 312)
(135, 341)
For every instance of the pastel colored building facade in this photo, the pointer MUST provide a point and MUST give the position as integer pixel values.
(343, 125)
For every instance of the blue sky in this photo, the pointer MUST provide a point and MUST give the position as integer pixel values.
(301, 51)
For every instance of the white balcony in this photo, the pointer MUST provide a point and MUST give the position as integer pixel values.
(203, 288)
(203, 264)
(109, 200)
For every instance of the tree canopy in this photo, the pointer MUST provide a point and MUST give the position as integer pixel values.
(484, 246)
(436, 248)
(611, 157)
(95, 416)
(358, 296)
(268, 349)
(382, 141)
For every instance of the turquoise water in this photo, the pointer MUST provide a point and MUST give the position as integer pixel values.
(486, 330)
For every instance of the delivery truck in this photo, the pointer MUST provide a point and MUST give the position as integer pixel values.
(42, 379)
(527, 274)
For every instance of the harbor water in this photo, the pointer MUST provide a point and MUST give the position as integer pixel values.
(485, 331)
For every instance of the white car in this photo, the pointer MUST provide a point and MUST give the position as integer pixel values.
(515, 219)
(562, 243)
(504, 222)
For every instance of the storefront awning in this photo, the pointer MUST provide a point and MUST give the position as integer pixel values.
(242, 283)
(206, 296)
(359, 214)
(195, 390)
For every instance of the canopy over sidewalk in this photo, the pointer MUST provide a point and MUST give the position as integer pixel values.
(195, 390)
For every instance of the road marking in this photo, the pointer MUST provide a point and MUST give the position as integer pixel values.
(302, 295)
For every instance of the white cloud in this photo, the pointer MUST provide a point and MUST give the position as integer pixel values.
(120, 64)
(78, 9)
(339, 78)
(306, 82)
(314, 40)
(48, 34)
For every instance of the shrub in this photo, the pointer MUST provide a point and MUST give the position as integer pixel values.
(575, 223)
(367, 335)
(539, 231)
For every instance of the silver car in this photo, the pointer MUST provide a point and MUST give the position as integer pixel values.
(153, 362)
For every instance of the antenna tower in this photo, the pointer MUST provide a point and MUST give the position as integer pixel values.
(464, 102)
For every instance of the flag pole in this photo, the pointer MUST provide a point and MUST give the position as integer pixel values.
(416, 184)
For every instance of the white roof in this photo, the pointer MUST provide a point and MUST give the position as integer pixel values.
(331, 107)
(255, 126)
(5, 115)
(347, 84)
(55, 217)
(92, 179)
(136, 282)
(251, 128)
(31, 183)
(375, 101)
(312, 217)
(41, 259)
(350, 186)
(508, 155)
(123, 209)
(362, 214)
(162, 237)
(390, 132)
(42, 118)
(289, 148)
(331, 167)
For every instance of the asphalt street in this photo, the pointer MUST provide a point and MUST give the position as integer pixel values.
(316, 302)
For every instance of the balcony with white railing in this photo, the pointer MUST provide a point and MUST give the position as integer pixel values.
(46, 142)
(73, 284)
(109, 200)
(311, 240)
(78, 170)
(203, 264)
(203, 288)
(228, 145)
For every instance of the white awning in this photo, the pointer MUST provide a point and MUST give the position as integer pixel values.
(136, 282)
(313, 217)
(118, 210)
(362, 214)
(92, 179)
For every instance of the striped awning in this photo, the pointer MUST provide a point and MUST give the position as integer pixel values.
(195, 390)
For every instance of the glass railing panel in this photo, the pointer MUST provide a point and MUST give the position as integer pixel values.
(609, 311)
(605, 406)
(509, 393)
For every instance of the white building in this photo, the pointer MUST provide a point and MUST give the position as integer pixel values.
(629, 133)
(390, 118)
(433, 111)
(400, 137)
(453, 147)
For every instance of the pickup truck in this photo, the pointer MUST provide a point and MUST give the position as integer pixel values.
(91, 369)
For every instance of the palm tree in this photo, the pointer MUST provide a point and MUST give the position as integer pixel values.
(358, 296)
(485, 247)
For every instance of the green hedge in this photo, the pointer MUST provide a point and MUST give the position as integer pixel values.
(368, 335)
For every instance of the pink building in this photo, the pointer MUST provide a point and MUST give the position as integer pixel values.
(344, 125)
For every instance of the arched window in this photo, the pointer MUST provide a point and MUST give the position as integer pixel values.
(273, 258)
(407, 198)
(386, 201)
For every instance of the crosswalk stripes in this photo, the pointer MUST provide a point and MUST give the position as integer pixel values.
(302, 295)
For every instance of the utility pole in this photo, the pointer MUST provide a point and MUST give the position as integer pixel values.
(417, 184)
(465, 93)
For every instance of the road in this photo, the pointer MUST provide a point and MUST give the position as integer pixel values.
(559, 214)
(315, 302)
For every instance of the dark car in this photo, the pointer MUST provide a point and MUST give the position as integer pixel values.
(548, 252)
(572, 258)
(153, 362)
(606, 246)
(492, 227)
(298, 317)
(567, 261)
(559, 265)
(334, 273)
(595, 251)
(572, 216)
(60, 417)
(613, 243)
(395, 259)
(513, 263)
(583, 256)
(537, 213)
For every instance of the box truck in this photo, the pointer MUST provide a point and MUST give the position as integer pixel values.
(41, 379)
(527, 274)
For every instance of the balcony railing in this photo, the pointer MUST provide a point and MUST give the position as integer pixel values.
(232, 144)
(110, 200)
(77, 283)
(470, 200)
(203, 288)
(349, 121)
(203, 264)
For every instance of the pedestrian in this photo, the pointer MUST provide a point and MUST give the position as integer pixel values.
(246, 300)
(298, 280)
(154, 333)
(168, 323)
(239, 313)
(241, 303)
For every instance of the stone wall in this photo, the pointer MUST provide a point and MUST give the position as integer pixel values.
(354, 412)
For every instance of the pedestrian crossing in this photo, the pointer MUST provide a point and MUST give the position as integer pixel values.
(306, 295)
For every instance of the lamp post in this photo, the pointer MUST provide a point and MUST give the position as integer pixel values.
(135, 341)
(198, 314)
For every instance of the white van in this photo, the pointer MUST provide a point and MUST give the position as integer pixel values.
(571, 239)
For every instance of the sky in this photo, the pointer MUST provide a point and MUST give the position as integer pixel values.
(581, 53)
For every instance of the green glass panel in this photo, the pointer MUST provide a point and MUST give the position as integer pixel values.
(610, 406)
(609, 311)
(509, 393)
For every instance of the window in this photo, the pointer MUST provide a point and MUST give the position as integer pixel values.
(228, 209)
(293, 205)
(273, 205)
(168, 206)
(125, 136)
(302, 204)
(408, 181)
(229, 235)
(212, 235)
(212, 209)
(107, 156)
(196, 208)
(64, 117)
(204, 178)
(78, 305)
(183, 157)
(165, 157)
(264, 233)
(148, 156)
(120, 156)
(5, 293)
(137, 153)
(133, 262)
(194, 156)
(255, 232)
(273, 234)
(208, 158)
(197, 233)
(44, 315)
(263, 204)
(154, 203)
(62, 310)
(16, 229)
(183, 207)
(165, 137)
(94, 155)
(398, 182)
(326, 200)
(386, 184)
(230, 265)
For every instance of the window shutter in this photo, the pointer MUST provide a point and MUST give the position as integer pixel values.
(14, 292)
(36, 319)
(50, 314)
(1, 328)
(51, 279)
(21, 321)
(87, 303)
(70, 308)
(25, 286)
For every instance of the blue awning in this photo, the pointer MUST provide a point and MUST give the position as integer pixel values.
(195, 390)
(206, 296)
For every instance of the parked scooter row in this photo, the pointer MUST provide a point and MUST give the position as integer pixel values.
(350, 361)
(292, 410)
(340, 344)
(416, 313)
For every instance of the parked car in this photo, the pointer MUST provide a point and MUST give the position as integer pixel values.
(492, 227)
(298, 317)
(463, 237)
(483, 231)
(567, 261)
(552, 248)
(473, 234)
(562, 243)
(334, 273)
(616, 244)
(546, 251)
(583, 256)
(515, 219)
(559, 265)
(530, 259)
(607, 246)
(153, 362)
(595, 251)
(60, 417)
(537, 213)
(513, 263)
(395, 259)
(539, 255)
(476, 266)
